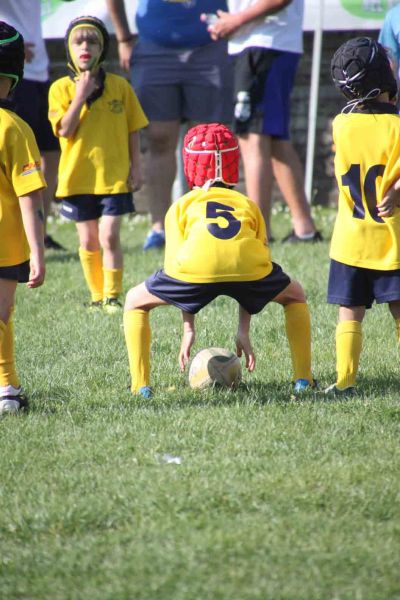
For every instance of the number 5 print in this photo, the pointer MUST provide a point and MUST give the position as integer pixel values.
(214, 210)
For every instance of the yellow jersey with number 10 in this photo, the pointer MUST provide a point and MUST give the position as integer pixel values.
(367, 164)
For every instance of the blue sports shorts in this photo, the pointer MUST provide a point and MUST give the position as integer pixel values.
(268, 77)
(18, 273)
(192, 297)
(355, 286)
(32, 105)
(189, 84)
(89, 207)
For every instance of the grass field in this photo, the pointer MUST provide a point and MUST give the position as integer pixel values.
(273, 499)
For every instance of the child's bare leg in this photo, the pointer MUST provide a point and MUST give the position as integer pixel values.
(8, 374)
(90, 257)
(298, 329)
(110, 241)
(109, 235)
(348, 345)
(394, 308)
(137, 331)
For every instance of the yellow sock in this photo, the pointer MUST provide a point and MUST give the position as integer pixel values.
(348, 350)
(298, 331)
(92, 266)
(8, 374)
(137, 337)
(112, 282)
(397, 321)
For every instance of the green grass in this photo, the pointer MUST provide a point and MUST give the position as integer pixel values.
(274, 499)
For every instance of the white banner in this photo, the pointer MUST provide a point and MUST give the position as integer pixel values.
(337, 14)
(346, 14)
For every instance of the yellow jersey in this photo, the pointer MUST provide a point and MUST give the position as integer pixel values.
(367, 164)
(20, 174)
(216, 235)
(95, 160)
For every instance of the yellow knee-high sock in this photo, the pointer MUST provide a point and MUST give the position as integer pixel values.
(348, 351)
(138, 337)
(112, 282)
(8, 374)
(397, 321)
(298, 331)
(93, 271)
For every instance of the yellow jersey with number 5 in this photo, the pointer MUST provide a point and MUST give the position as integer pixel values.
(216, 235)
(367, 164)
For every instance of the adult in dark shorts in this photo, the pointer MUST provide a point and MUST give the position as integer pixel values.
(31, 95)
(216, 245)
(265, 39)
(179, 76)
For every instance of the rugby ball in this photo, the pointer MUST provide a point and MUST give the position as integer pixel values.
(215, 366)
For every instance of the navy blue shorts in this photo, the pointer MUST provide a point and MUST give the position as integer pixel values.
(192, 297)
(355, 286)
(89, 207)
(268, 77)
(18, 273)
(32, 105)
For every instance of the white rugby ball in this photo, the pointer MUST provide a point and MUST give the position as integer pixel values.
(215, 366)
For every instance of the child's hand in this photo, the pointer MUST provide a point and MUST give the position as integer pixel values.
(37, 273)
(186, 346)
(390, 201)
(223, 26)
(187, 339)
(243, 344)
(86, 84)
(135, 179)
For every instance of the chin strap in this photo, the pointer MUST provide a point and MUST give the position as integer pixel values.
(353, 104)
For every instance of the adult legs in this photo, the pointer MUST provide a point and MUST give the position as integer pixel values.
(288, 172)
(50, 161)
(256, 154)
(162, 137)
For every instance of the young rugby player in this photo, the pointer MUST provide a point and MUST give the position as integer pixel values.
(216, 244)
(21, 213)
(97, 117)
(365, 247)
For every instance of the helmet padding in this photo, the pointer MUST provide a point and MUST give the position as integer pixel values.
(360, 68)
(210, 155)
(12, 53)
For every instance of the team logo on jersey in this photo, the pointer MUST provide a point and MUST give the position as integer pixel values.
(31, 168)
(116, 106)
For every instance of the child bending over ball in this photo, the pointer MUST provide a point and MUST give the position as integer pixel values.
(97, 117)
(216, 244)
(365, 246)
(21, 213)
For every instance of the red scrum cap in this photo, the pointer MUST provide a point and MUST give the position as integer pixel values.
(210, 154)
